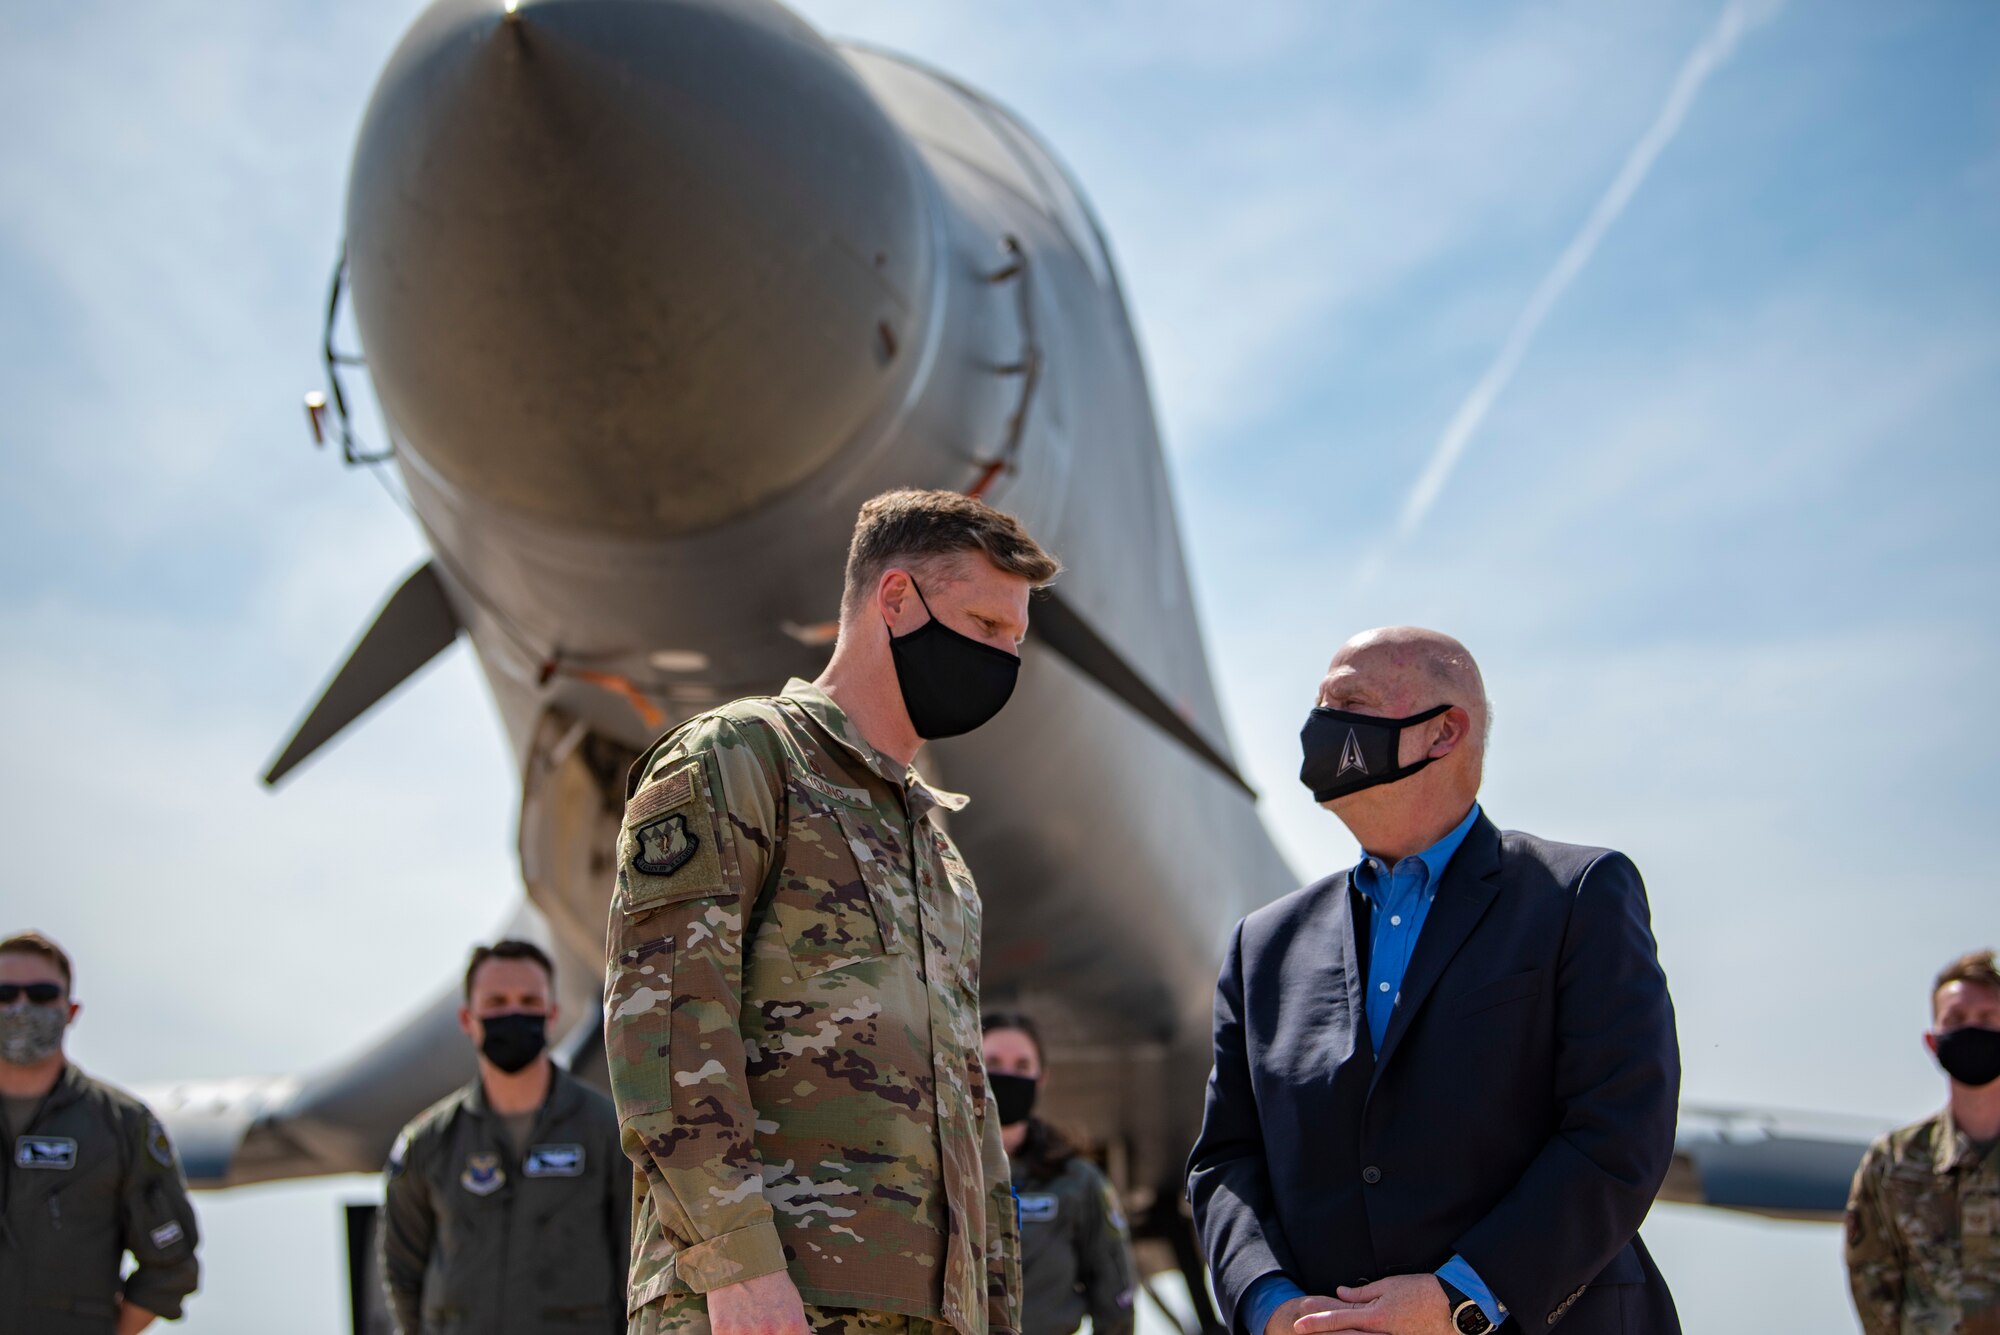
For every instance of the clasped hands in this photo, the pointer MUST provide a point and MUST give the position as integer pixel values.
(1398, 1305)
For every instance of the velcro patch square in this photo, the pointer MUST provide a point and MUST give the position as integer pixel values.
(553, 1161)
(45, 1152)
(667, 851)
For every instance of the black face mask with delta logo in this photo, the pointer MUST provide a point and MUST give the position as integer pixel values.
(951, 683)
(1345, 753)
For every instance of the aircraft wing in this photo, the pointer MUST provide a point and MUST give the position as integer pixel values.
(1785, 1165)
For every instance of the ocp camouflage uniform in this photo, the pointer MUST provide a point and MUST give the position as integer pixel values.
(90, 1177)
(792, 1000)
(1923, 1233)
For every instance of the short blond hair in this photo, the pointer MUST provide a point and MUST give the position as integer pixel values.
(1976, 967)
(922, 526)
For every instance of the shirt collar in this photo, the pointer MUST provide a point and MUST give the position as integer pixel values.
(819, 706)
(1435, 858)
(1953, 1149)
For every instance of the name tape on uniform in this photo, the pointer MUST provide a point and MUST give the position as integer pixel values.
(1039, 1209)
(53, 1152)
(553, 1161)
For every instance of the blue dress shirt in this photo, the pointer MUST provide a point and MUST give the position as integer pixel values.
(1399, 899)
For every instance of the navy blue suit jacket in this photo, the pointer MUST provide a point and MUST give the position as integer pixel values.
(1520, 1113)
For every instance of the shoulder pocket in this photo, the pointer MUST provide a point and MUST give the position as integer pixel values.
(638, 1030)
(667, 846)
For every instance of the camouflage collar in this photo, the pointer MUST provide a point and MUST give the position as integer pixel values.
(819, 706)
(1951, 1148)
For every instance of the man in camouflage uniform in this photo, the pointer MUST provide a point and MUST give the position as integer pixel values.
(89, 1174)
(1923, 1221)
(792, 991)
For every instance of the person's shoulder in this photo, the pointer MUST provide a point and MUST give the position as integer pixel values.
(113, 1100)
(754, 726)
(422, 1133)
(1284, 913)
(130, 1116)
(1915, 1142)
(1530, 864)
(435, 1120)
(1081, 1175)
(1563, 862)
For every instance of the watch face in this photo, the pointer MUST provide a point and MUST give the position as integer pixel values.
(1470, 1320)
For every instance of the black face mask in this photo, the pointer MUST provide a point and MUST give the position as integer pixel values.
(1970, 1056)
(951, 683)
(1348, 752)
(512, 1041)
(1013, 1096)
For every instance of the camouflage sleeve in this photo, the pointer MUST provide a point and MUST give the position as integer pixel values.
(1875, 1260)
(157, 1221)
(405, 1231)
(1104, 1262)
(692, 857)
(1003, 1234)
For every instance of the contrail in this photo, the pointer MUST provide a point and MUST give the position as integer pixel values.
(1709, 56)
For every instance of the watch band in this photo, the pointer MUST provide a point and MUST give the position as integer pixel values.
(1467, 1317)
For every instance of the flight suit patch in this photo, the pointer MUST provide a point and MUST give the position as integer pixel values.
(166, 1235)
(1039, 1209)
(159, 1146)
(553, 1161)
(47, 1152)
(665, 846)
(483, 1174)
(668, 843)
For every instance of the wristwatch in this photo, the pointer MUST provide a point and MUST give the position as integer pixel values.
(1466, 1316)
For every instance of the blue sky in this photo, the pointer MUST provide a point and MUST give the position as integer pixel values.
(1722, 542)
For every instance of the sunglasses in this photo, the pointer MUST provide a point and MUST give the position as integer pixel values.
(39, 993)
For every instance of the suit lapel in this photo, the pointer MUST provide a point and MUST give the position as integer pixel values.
(1352, 925)
(1463, 896)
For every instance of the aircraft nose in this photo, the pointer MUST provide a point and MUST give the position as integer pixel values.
(634, 265)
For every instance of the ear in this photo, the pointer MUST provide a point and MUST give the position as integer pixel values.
(465, 1022)
(1930, 1040)
(554, 1015)
(896, 596)
(1457, 727)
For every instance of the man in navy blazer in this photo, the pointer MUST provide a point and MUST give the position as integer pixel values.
(1445, 1080)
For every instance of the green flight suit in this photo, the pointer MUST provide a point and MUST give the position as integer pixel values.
(1076, 1259)
(90, 1177)
(479, 1239)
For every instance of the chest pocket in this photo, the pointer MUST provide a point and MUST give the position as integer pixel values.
(967, 894)
(833, 901)
(1925, 1208)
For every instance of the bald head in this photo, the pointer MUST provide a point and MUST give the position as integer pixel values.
(1396, 671)
(1400, 672)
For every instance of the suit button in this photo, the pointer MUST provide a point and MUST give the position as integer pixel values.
(1371, 1175)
